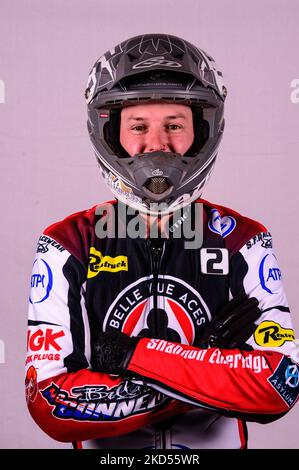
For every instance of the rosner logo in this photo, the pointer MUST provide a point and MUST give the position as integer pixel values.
(178, 311)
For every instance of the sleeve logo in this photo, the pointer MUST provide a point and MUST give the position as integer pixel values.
(285, 380)
(98, 263)
(272, 334)
(100, 403)
(43, 340)
(263, 238)
(41, 281)
(269, 274)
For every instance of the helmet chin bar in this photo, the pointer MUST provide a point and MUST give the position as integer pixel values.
(157, 173)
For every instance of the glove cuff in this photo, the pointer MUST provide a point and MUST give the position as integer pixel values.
(134, 340)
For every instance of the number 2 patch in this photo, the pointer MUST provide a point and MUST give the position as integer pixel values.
(214, 261)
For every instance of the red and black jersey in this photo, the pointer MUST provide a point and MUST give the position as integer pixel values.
(102, 269)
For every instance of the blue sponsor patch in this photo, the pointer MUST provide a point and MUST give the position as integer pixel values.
(285, 380)
(41, 281)
(270, 274)
(221, 225)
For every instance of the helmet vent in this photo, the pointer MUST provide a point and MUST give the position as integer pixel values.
(157, 185)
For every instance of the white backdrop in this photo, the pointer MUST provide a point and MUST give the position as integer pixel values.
(47, 48)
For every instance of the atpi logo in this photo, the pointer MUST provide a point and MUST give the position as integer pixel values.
(41, 281)
(180, 309)
(221, 225)
(269, 274)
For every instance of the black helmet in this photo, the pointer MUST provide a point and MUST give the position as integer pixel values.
(155, 68)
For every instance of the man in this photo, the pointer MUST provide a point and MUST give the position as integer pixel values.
(157, 320)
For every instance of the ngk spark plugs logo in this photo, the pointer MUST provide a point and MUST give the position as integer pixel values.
(172, 308)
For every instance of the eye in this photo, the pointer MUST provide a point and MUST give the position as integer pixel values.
(138, 128)
(174, 127)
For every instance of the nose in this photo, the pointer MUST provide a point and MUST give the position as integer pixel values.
(156, 140)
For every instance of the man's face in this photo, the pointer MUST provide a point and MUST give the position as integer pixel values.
(156, 126)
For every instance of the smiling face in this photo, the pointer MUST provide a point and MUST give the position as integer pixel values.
(156, 126)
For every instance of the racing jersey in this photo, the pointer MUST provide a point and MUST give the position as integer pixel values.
(91, 274)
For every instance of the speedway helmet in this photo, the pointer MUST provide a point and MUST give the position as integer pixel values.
(155, 68)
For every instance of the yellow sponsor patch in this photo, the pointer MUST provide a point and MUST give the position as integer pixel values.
(272, 334)
(98, 263)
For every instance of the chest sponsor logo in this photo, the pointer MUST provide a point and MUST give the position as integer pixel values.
(101, 403)
(41, 281)
(99, 262)
(264, 238)
(272, 334)
(176, 312)
(270, 274)
(223, 226)
(285, 380)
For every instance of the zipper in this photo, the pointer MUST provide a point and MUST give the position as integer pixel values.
(156, 256)
(156, 253)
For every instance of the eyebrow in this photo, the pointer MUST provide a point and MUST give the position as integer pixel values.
(140, 118)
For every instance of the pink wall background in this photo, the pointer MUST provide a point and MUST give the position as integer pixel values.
(48, 170)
